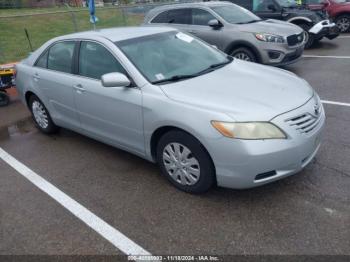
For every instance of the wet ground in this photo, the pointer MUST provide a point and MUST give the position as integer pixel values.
(308, 213)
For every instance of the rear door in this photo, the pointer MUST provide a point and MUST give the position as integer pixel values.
(112, 114)
(53, 76)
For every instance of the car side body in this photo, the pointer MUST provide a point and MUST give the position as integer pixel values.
(338, 11)
(316, 24)
(63, 77)
(233, 37)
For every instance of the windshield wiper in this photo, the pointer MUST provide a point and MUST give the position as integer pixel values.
(174, 78)
(249, 22)
(207, 70)
(229, 60)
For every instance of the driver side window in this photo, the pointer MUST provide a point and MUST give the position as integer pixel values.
(201, 17)
(262, 5)
(95, 61)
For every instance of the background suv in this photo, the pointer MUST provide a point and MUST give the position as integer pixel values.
(234, 30)
(315, 24)
(338, 10)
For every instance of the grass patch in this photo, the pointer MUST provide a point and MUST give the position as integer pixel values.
(14, 45)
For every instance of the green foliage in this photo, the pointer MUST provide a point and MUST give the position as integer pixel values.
(42, 27)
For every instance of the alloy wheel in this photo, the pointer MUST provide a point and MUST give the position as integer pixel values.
(343, 24)
(40, 114)
(180, 164)
(242, 56)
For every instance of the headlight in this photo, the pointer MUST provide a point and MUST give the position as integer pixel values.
(269, 38)
(249, 130)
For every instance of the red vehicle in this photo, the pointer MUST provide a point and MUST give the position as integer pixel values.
(338, 10)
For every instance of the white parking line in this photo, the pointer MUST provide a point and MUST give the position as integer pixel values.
(326, 56)
(335, 103)
(344, 36)
(115, 237)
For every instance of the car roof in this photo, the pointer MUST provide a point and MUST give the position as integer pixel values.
(118, 33)
(194, 4)
(159, 9)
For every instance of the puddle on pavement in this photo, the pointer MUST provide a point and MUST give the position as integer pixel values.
(17, 129)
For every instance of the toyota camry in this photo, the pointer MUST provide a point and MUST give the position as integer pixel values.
(206, 118)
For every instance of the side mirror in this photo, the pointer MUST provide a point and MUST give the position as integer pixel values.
(115, 80)
(272, 8)
(214, 23)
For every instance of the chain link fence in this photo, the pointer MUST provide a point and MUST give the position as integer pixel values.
(21, 33)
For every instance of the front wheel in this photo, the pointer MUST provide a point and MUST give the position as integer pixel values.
(310, 38)
(4, 99)
(343, 23)
(243, 53)
(41, 116)
(185, 162)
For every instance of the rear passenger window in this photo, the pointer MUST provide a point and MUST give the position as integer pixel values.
(61, 56)
(176, 16)
(42, 61)
(201, 17)
(161, 18)
(95, 61)
(179, 16)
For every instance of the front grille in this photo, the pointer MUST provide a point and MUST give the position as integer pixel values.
(295, 39)
(305, 123)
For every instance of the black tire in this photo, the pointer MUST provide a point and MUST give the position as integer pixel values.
(343, 23)
(244, 52)
(50, 128)
(4, 99)
(310, 37)
(206, 168)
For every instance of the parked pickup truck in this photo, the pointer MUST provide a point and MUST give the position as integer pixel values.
(338, 11)
(315, 24)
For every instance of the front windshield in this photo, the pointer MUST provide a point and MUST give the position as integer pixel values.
(166, 55)
(287, 3)
(235, 14)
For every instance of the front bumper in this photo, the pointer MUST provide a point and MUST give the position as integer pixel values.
(249, 163)
(325, 29)
(285, 54)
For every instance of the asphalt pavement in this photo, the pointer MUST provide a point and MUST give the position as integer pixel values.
(305, 214)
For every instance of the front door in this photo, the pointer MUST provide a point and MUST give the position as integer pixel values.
(267, 9)
(200, 28)
(111, 114)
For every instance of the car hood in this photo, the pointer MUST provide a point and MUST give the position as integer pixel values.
(245, 91)
(272, 26)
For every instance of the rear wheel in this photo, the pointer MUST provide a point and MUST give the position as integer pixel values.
(41, 116)
(185, 162)
(343, 23)
(4, 99)
(243, 53)
(310, 38)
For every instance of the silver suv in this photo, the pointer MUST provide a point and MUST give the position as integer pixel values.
(234, 30)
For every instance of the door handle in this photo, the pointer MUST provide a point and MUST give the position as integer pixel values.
(36, 76)
(79, 88)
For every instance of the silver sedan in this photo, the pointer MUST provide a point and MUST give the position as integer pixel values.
(170, 98)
